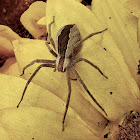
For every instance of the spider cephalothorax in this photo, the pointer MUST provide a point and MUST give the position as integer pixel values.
(67, 44)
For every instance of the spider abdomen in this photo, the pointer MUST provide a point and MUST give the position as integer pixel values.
(66, 39)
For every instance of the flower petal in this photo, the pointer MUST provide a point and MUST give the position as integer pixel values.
(132, 6)
(10, 67)
(35, 95)
(120, 85)
(67, 14)
(46, 114)
(27, 50)
(8, 33)
(123, 28)
(110, 93)
(30, 17)
(36, 123)
(42, 21)
(78, 0)
(6, 48)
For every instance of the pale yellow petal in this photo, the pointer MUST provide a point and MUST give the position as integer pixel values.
(55, 81)
(8, 33)
(41, 124)
(71, 12)
(10, 67)
(123, 28)
(30, 17)
(78, 0)
(6, 48)
(115, 94)
(132, 6)
(112, 92)
(12, 89)
(94, 51)
(42, 21)
(15, 122)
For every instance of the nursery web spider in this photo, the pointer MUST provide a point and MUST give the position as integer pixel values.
(66, 45)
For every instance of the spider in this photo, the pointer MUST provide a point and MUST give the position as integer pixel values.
(67, 46)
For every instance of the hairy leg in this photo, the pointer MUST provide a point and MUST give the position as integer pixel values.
(68, 99)
(89, 36)
(49, 33)
(87, 61)
(37, 61)
(85, 87)
(51, 50)
(32, 76)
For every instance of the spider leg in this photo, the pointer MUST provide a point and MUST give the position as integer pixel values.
(37, 61)
(51, 50)
(85, 87)
(87, 61)
(89, 36)
(30, 79)
(49, 33)
(68, 99)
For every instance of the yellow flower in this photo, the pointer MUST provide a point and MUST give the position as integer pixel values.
(37, 118)
(115, 52)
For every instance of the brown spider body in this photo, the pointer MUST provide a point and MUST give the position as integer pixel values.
(66, 45)
(66, 39)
